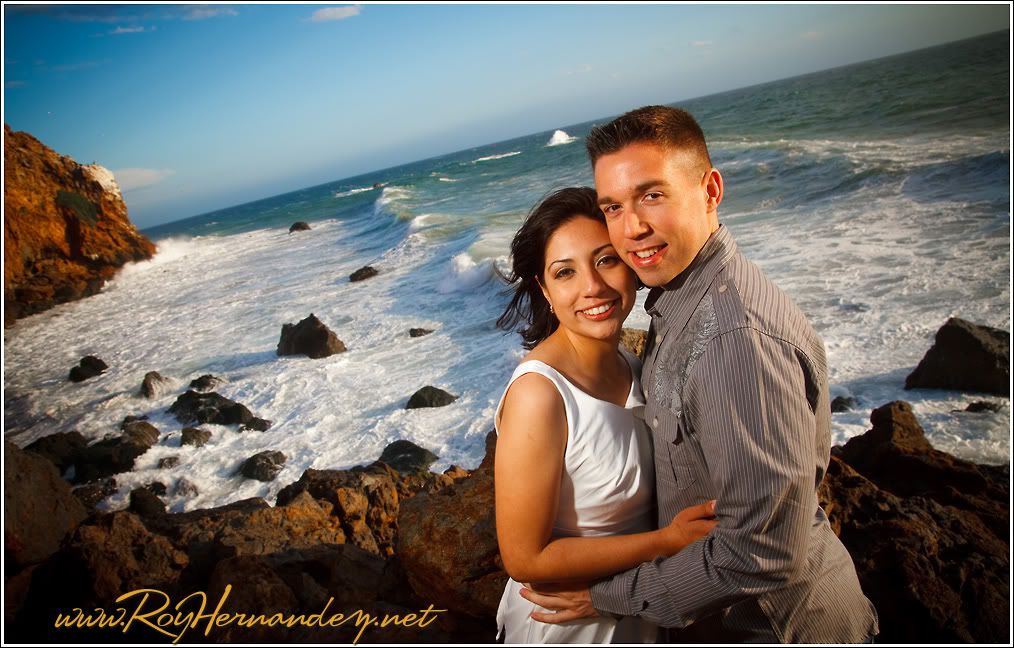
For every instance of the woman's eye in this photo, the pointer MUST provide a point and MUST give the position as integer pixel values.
(609, 259)
(564, 272)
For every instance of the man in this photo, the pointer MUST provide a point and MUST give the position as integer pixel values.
(735, 381)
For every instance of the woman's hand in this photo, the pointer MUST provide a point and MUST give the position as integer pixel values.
(689, 525)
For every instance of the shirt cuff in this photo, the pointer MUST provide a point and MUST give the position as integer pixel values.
(609, 597)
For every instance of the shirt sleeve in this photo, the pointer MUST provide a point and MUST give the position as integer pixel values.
(747, 404)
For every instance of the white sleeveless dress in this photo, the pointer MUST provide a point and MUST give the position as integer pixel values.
(606, 488)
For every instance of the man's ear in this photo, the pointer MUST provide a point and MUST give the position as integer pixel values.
(714, 188)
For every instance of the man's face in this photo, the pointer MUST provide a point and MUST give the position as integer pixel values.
(661, 206)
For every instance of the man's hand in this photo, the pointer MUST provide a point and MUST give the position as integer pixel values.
(569, 603)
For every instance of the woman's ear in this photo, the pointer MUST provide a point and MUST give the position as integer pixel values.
(545, 293)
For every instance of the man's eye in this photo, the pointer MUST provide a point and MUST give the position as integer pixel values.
(652, 195)
(610, 210)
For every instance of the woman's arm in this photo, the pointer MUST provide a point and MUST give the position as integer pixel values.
(531, 442)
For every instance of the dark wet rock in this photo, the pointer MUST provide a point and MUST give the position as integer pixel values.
(407, 458)
(195, 407)
(61, 448)
(843, 403)
(153, 384)
(966, 357)
(194, 436)
(131, 419)
(145, 503)
(257, 424)
(156, 488)
(419, 332)
(309, 337)
(447, 543)
(263, 466)
(169, 462)
(92, 493)
(430, 396)
(633, 340)
(39, 508)
(928, 533)
(115, 455)
(141, 432)
(363, 273)
(89, 367)
(204, 383)
(299, 226)
(184, 488)
(983, 406)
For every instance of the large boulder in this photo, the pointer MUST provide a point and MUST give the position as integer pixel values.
(363, 273)
(115, 455)
(153, 384)
(310, 337)
(928, 533)
(88, 367)
(448, 547)
(39, 508)
(66, 228)
(263, 466)
(966, 357)
(62, 448)
(212, 407)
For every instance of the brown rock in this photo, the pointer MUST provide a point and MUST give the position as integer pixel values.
(66, 229)
(448, 547)
(153, 384)
(931, 547)
(195, 436)
(39, 509)
(61, 448)
(633, 340)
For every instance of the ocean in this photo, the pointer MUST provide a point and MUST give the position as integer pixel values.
(876, 195)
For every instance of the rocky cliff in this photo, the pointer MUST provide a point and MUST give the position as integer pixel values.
(66, 229)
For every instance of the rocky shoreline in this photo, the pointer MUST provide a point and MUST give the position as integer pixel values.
(929, 534)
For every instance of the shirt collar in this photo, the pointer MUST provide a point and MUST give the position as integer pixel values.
(676, 300)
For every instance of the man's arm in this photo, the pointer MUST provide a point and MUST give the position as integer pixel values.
(747, 399)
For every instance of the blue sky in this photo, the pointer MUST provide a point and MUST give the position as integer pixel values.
(199, 107)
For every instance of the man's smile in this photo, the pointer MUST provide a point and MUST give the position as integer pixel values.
(647, 256)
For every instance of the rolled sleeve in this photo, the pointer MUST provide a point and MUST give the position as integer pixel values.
(748, 409)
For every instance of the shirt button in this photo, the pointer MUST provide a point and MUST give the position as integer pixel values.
(654, 422)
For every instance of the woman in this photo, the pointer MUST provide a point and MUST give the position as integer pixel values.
(573, 474)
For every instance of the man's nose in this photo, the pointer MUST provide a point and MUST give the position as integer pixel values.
(634, 227)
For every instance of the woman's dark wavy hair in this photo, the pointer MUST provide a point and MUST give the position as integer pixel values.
(528, 259)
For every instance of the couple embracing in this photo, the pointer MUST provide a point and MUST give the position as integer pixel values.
(674, 501)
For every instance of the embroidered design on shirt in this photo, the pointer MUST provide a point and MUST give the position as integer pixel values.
(678, 357)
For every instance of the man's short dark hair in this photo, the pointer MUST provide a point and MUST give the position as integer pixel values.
(672, 128)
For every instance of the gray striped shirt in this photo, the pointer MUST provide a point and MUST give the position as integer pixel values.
(735, 381)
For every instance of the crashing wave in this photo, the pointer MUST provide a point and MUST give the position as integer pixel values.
(560, 137)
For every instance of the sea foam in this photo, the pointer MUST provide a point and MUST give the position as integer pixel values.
(560, 137)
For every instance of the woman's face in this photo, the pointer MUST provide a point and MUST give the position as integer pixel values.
(590, 289)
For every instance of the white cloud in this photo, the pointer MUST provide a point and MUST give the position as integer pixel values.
(334, 13)
(812, 35)
(134, 178)
(129, 30)
(701, 43)
(203, 13)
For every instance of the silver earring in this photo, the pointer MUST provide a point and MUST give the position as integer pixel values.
(551, 309)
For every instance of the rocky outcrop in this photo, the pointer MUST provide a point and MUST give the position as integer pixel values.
(66, 228)
(966, 357)
(929, 533)
(430, 396)
(310, 337)
(39, 509)
(408, 458)
(204, 383)
(115, 455)
(843, 404)
(447, 543)
(299, 226)
(153, 384)
(196, 437)
(419, 332)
